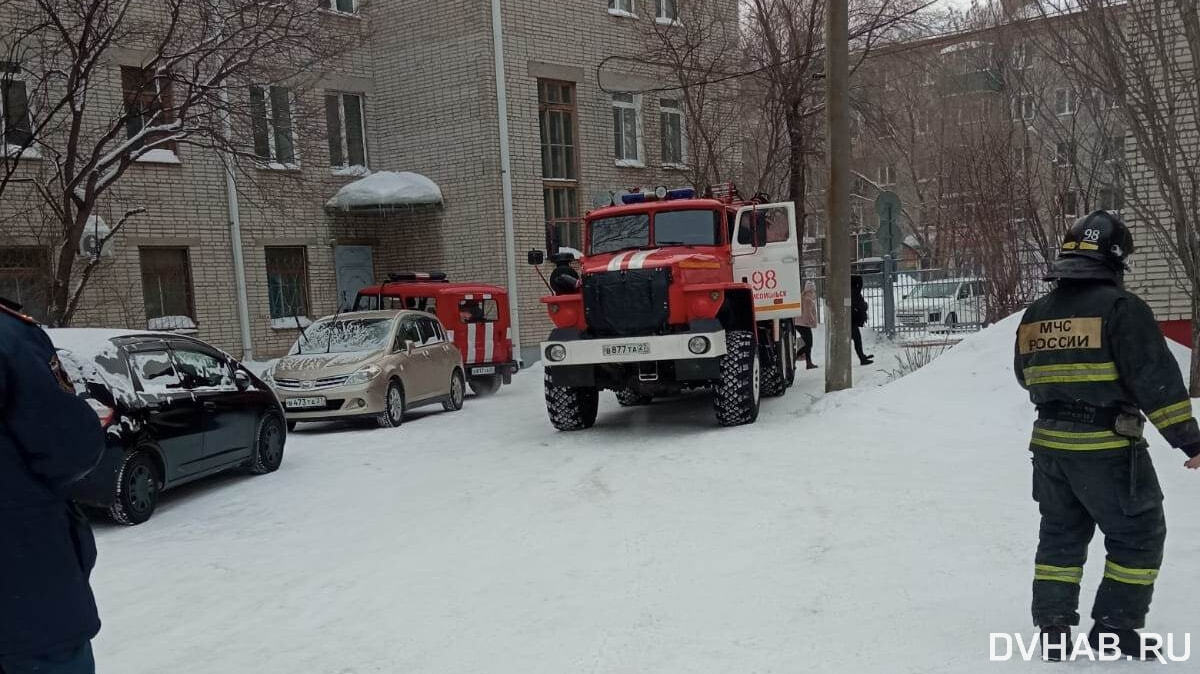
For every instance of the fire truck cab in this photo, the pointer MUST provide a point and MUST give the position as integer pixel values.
(676, 292)
(475, 316)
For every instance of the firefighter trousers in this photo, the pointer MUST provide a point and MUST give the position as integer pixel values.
(1117, 490)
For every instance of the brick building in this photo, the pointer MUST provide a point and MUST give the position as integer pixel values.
(419, 95)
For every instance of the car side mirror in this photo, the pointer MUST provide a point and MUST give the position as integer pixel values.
(410, 346)
(241, 380)
(536, 257)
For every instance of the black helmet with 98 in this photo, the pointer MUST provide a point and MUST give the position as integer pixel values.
(1099, 237)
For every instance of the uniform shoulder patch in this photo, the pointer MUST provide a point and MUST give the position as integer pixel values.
(1060, 334)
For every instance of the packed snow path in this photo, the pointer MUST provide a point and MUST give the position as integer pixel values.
(881, 530)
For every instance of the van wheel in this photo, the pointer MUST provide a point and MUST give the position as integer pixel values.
(393, 407)
(138, 486)
(268, 446)
(736, 394)
(628, 397)
(458, 390)
(571, 408)
(485, 386)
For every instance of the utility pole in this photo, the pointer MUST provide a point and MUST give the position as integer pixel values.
(837, 205)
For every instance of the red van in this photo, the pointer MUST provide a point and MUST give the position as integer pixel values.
(474, 314)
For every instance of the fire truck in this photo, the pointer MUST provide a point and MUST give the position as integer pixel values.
(674, 292)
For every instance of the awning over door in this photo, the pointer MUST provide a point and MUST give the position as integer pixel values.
(386, 191)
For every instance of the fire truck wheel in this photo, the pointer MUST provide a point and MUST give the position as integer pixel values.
(774, 366)
(485, 386)
(736, 394)
(571, 408)
(789, 354)
(628, 397)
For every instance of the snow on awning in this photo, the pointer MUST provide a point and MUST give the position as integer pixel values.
(386, 190)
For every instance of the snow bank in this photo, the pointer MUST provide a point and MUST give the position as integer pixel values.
(172, 324)
(386, 188)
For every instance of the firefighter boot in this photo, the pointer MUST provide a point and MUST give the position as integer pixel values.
(1128, 642)
(1056, 642)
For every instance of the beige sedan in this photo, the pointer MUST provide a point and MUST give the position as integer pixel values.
(370, 364)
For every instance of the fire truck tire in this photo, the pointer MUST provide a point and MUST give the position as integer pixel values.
(485, 386)
(628, 397)
(571, 408)
(774, 366)
(736, 394)
(789, 353)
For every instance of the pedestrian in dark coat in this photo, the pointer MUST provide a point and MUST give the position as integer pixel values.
(858, 318)
(49, 438)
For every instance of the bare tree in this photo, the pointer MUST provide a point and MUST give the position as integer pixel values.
(179, 61)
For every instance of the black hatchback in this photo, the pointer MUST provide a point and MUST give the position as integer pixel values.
(175, 410)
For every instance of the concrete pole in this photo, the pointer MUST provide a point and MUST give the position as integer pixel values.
(235, 236)
(510, 243)
(837, 235)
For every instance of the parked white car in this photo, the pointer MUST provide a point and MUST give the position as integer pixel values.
(946, 303)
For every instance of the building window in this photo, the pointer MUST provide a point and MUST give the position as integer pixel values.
(666, 11)
(16, 126)
(1101, 100)
(166, 283)
(271, 120)
(287, 281)
(1065, 102)
(1070, 202)
(1020, 55)
(1111, 198)
(887, 174)
(627, 129)
(1113, 149)
(1023, 107)
(672, 132)
(341, 6)
(560, 164)
(147, 104)
(24, 278)
(345, 121)
(1064, 153)
(621, 8)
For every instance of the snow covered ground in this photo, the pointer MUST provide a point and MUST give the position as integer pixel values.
(886, 529)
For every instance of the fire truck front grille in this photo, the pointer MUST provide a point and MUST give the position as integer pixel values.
(627, 302)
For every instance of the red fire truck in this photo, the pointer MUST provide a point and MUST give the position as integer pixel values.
(675, 292)
(475, 316)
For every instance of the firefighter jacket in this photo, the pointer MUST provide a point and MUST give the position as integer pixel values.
(1090, 352)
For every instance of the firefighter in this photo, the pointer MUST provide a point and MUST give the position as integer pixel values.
(1093, 359)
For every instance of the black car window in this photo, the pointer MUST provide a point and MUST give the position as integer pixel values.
(155, 371)
(366, 303)
(408, 333)
(478, 311)
(201, 370)
(429, 332)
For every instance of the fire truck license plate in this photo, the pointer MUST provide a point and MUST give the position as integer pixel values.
(632, 349)
(302, 403)
(487, 369)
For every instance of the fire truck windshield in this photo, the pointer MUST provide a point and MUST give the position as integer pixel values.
(620, 232)
(671, 228)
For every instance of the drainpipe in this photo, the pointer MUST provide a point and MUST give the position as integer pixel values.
(510, 239)
(235, 235)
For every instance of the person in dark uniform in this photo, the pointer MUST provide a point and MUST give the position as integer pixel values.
(49, 438)
(1093, 359)
(858, 318)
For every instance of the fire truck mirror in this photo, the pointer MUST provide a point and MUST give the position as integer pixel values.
(536, 257)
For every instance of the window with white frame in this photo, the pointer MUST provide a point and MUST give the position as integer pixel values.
(627, 129)
(271, 122)
(16, 125)
(621, 7)
(1023, 107)
(1102, 101)
(1065, 102)
(345, 119)
(887, 174)
(671, 130)
(666, 11)
(341, 6)
(1020, 55)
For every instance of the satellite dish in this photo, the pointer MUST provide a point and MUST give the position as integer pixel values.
(602, 199)
(95, 231)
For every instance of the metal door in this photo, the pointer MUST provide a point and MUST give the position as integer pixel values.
(355, 266)
(766, 256)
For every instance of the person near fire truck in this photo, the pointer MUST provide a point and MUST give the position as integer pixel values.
(1093, 359)
(49, 438)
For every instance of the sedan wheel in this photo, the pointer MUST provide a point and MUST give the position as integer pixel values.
(458, 390)
(393, 407)
(138, 486)
(268, 446)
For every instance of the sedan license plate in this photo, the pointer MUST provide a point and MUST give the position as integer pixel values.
(487, 369)
(630, 349)
(304, 403)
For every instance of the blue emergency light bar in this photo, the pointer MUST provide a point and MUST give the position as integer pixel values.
(682, 193)
(633, 198)
(660, 193)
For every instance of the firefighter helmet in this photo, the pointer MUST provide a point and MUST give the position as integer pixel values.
(1102, 236)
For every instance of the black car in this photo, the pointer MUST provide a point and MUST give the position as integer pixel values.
(175, 410)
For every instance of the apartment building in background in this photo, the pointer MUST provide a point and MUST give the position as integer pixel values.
(419, 99)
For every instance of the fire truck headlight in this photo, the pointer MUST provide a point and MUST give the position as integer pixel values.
(556, 353)
(698, 345)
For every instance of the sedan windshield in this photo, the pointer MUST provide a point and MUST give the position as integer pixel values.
(687, 228)
(619, 232)
(344, 335)
(935, 290)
